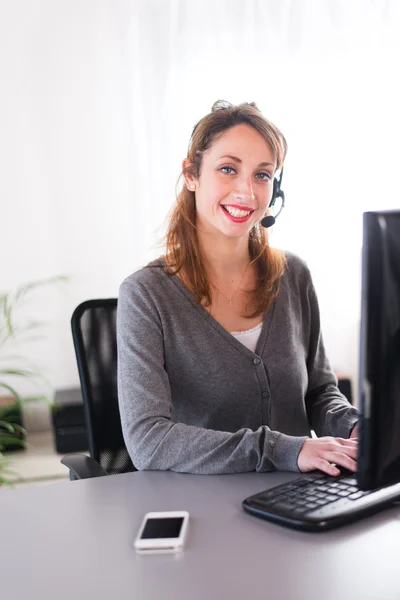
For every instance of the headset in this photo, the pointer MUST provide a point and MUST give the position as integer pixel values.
(276, 193)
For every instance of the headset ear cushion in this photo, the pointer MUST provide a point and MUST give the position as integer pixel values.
(276, 189)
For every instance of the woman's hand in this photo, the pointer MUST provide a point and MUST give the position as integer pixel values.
(320, 453)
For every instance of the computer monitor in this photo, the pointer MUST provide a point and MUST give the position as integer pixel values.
(379, 383)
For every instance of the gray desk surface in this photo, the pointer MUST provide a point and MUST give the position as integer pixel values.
(73, 540)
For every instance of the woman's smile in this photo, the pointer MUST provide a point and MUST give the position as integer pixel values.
(236, 214)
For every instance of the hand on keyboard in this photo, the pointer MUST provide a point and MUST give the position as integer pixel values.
(320, 453)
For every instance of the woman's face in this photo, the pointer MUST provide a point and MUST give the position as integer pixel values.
(235, 184)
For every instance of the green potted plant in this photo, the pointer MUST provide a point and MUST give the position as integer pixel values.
(14, 368)
(11, 435)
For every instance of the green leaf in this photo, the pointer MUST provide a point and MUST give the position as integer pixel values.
(7, 426)
(4, 471)
(4, 481)
(19, 372)
(19, 428)
(5, 464)
(12, 427)
(10, 472)
(16, 477)
(32, 374)
(8, 412)
(7, 439)
(7, 315)
(9, 302)
(14, 392)
(30, 399)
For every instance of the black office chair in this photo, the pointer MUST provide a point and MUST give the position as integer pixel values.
(94, 334)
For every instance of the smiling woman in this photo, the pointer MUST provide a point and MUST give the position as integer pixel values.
(233, 155)
(221, 362)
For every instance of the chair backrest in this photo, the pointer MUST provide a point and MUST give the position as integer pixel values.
(94, 333)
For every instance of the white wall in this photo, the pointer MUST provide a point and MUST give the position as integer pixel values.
(98, 101)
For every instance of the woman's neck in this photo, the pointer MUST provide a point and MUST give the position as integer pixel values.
(225, 258)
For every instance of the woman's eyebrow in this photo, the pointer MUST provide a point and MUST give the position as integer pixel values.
(238, 160)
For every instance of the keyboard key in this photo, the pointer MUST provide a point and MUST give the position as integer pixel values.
(301, 501)
(320, 501)
(271, 501)
(355, 495)
(343, 493)
(326, 487)
(311, 492)
(349, 480)
(330, 498)
(285, 506)
(269, 494)
(301, 509)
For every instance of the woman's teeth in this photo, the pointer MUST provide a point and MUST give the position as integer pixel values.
(235, 212)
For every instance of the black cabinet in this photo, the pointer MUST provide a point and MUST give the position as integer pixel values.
(70, 432)
(344, 386)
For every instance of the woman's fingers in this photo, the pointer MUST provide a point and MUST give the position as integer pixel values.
(347, 442)
(343, 455)
(326, 467)
(343, 460)
(320, 453)
(346, 450)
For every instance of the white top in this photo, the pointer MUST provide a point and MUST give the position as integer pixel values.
(250, 337)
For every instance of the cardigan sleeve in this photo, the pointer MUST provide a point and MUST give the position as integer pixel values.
(153, 439)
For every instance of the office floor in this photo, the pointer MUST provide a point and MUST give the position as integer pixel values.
(38, 464)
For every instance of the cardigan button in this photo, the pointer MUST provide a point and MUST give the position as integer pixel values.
(256, 361)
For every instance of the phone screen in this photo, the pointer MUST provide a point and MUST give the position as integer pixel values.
(169, 527)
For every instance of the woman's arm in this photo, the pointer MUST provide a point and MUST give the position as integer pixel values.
(153, 440)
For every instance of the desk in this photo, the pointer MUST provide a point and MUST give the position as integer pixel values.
(73, 540)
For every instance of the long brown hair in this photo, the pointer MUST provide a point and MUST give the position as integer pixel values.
(183, 253)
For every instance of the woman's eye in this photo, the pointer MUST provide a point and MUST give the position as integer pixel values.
(227, 170)
(264, 176)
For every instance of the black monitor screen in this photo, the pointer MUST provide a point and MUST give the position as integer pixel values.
(379, 389)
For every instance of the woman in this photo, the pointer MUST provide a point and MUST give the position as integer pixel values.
(222, 367)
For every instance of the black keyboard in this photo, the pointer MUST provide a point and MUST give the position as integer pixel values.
(306, 496)
(317, 502)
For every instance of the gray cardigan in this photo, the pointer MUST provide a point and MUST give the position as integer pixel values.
(194, 399)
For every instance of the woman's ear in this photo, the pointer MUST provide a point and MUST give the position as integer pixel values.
(190, 180)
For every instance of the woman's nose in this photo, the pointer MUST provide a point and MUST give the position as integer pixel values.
(244, 189)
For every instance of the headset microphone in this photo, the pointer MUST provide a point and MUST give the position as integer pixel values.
(276, 193)
(268, 221)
